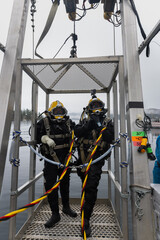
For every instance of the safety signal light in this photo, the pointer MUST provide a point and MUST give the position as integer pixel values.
(143, 146)
(150, 154)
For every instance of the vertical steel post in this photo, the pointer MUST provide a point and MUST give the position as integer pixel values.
(13, 51)
(116, 149)
(109, 160)
(32, 167)
(124, 170)
(140, 181)
(14, 177)
(47, 101)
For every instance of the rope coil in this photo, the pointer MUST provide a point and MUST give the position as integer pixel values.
(15, 162)
(16, 134)
(140, 192)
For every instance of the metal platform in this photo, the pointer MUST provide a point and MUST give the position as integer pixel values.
(103, 224)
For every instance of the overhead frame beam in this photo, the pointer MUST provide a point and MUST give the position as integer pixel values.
(110, 59)
(77, 61)
(51, 91)
(152, 34)
(76, 91)
(35, 78)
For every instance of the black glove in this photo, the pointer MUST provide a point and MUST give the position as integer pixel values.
(90, 125)
(96, 120)
(73, 125)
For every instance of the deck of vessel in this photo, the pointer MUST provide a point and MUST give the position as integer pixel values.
(103, 224)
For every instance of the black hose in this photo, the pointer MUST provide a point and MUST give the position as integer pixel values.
(140, 26)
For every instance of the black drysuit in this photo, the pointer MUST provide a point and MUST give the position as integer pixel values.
(86, 131)
(51, 172)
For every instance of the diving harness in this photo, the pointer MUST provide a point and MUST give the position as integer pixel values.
(50, 150)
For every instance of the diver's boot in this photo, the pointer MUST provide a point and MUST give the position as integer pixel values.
(87, 227)
(68, 211)
(53, 220)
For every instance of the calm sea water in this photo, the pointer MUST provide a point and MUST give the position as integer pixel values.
(75, 187)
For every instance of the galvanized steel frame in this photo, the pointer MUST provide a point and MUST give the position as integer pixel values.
(13, 51)
(15, 170)
(148, 39)
(116, 149)
(123, 146)
(69, 62)
(139, 163)
(132, 79)
(113, 85)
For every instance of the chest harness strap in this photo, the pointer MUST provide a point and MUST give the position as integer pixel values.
(83, 141)
(51, 150)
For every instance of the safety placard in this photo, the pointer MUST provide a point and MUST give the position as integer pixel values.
(138, 134)
(137, 138)
(137, 144)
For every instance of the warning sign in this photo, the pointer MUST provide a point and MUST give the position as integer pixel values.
(137, 138)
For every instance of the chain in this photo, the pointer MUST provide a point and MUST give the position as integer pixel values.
(33, 10)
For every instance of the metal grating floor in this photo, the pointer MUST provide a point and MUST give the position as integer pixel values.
(103, 224)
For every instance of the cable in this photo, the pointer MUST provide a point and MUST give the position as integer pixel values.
(84, 9)
(145, 124)
(145, 146)
(62, 45)
(140, 26)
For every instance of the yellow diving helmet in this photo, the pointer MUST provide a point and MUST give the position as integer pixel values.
(57, 110)
(95, 105)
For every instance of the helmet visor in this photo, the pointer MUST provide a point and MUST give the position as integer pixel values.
(96, 105)
(58, 112)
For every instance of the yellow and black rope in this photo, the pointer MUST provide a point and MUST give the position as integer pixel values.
(13, 213)
(85, 182)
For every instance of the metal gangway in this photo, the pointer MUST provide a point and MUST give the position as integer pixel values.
(104, 224)
(120, 76)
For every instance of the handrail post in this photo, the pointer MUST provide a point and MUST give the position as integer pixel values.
(14, 176)
(47, 100)
(109, 159)
(116, 149)
(32, 167)
(124, 170)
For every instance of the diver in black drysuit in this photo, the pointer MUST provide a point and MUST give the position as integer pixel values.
(87, 131)
(57, 142)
